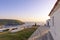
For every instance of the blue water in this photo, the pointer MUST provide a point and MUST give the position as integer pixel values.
(26, 24)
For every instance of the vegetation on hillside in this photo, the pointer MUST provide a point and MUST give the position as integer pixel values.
(21, 35)
(10, 22)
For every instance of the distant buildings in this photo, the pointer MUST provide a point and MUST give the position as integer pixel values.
(11, 28)
(55, 21)
(14, 28)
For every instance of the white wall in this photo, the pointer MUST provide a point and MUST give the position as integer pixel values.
(55, 30)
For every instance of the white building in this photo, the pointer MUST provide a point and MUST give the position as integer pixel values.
(55, 21)
(12, 28)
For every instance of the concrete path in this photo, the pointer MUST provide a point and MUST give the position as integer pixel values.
(47, 36)
(42, 33)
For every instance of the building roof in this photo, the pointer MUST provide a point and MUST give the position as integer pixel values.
(54, 7)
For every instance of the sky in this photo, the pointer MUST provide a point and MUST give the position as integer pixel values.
(26, 10)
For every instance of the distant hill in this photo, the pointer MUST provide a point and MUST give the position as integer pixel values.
(9, 22)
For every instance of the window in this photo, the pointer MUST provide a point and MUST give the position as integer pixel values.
(14, 28)
(52, 21)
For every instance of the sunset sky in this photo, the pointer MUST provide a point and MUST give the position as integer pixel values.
(26, 10)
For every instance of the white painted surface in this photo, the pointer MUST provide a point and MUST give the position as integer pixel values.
(55, 29)
(40, 31)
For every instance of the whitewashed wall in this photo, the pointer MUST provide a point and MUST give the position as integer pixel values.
(55, 30)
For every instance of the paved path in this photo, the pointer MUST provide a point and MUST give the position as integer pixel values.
(47, 36)
(42, 33)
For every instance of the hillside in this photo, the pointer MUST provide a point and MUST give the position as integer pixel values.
(10, 22)
(21, 35)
